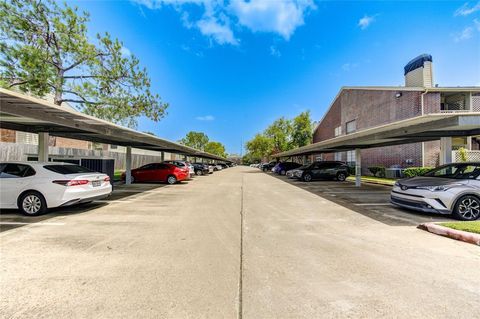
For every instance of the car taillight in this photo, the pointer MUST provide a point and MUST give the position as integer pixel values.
(106, 179)
(73, 182)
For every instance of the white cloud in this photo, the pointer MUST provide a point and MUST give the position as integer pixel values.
(205, 118)
(281, 17)
(125, 52)
(220, 32)
(274, 51)
(364, 22)
(220, 17)
(465, 34)
(466, 9)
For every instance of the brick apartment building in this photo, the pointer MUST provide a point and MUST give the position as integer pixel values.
(359, 108)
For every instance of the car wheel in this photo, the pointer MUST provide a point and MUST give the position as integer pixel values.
(198, 172)
(283, 172)
(341, 177)
(32, 204)
(171, 179)
(307, 177)
(467, 208)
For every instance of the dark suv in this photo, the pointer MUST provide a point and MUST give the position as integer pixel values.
(200, 168)
(266, 167)
(324, 170)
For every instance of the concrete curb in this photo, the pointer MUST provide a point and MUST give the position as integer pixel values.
(451, 233)
(370, 182)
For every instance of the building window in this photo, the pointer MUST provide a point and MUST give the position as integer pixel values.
(338, 131)
(113, 147)
(351, 126)
(351, 157)
(338, 156)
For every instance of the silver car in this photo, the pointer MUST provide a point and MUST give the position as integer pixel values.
(448, 189)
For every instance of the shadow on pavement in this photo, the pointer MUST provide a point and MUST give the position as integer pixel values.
(370, 200)
(13, 218)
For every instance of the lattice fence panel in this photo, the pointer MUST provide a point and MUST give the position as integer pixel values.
(472, 156)
(475, 103)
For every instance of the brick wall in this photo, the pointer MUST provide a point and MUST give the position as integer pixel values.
(371, 108)
(7, 135)
(70, 143)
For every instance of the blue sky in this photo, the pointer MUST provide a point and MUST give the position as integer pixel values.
(230, 68)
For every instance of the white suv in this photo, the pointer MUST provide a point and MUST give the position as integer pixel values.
(34, 187)
(449, 189)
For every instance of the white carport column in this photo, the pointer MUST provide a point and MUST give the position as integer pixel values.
(358, 167)
(445, 150)
(304, 159)
(162, 156)
(43, 138)
(128, 166)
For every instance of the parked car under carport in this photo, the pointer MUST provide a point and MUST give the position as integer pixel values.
(449, 189)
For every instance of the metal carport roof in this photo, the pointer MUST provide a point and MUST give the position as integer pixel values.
(25, 113)
(417, 129)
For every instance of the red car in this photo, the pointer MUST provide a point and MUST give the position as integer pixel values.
(159, 172)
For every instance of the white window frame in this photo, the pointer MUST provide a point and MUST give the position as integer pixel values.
(338, 131)
(347, 130)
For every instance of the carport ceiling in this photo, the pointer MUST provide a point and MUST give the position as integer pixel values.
(25, 113)
(418, 129)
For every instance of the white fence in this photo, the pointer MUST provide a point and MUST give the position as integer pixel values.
(472, 156)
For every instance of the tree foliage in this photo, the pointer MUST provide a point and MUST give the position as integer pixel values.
(45, 49)
(197, 140)
(282, 135)
(301, 130)
(259, 147)
(215, 148)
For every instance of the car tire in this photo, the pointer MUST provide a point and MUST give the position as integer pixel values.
(341, 177)
(32, 203)
(467, 208)
(171, 180)
(307, 177)
(198, 172)
(283, 172)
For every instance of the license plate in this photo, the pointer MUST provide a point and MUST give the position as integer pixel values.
(96, 183)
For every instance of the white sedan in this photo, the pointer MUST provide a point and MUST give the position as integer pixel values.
(35, 187)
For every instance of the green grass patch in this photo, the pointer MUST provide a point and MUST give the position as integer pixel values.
(117, 175)
(379, 180)
(471, 227)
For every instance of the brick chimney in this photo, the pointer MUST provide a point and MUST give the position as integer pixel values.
(419, 72)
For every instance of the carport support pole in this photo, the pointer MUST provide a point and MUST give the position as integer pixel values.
(162, 156)
(445, 150)
(43, 138)
(358, 167)
(128, 166)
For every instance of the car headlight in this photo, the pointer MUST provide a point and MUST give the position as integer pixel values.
(397, 183)
(438, 188)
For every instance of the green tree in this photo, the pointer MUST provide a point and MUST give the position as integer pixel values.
(215, 148)
(259, 147)
(280, 134)
(197, 140)
(301, 130)
(45, 49)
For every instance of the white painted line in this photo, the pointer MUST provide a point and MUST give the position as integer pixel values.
(373, 204)
(357, 192)
(32, 223)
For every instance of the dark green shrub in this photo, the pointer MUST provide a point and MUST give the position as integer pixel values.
(380, 170)
(416, 171)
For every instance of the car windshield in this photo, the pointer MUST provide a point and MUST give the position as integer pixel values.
(456, 171)
(67, 169)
